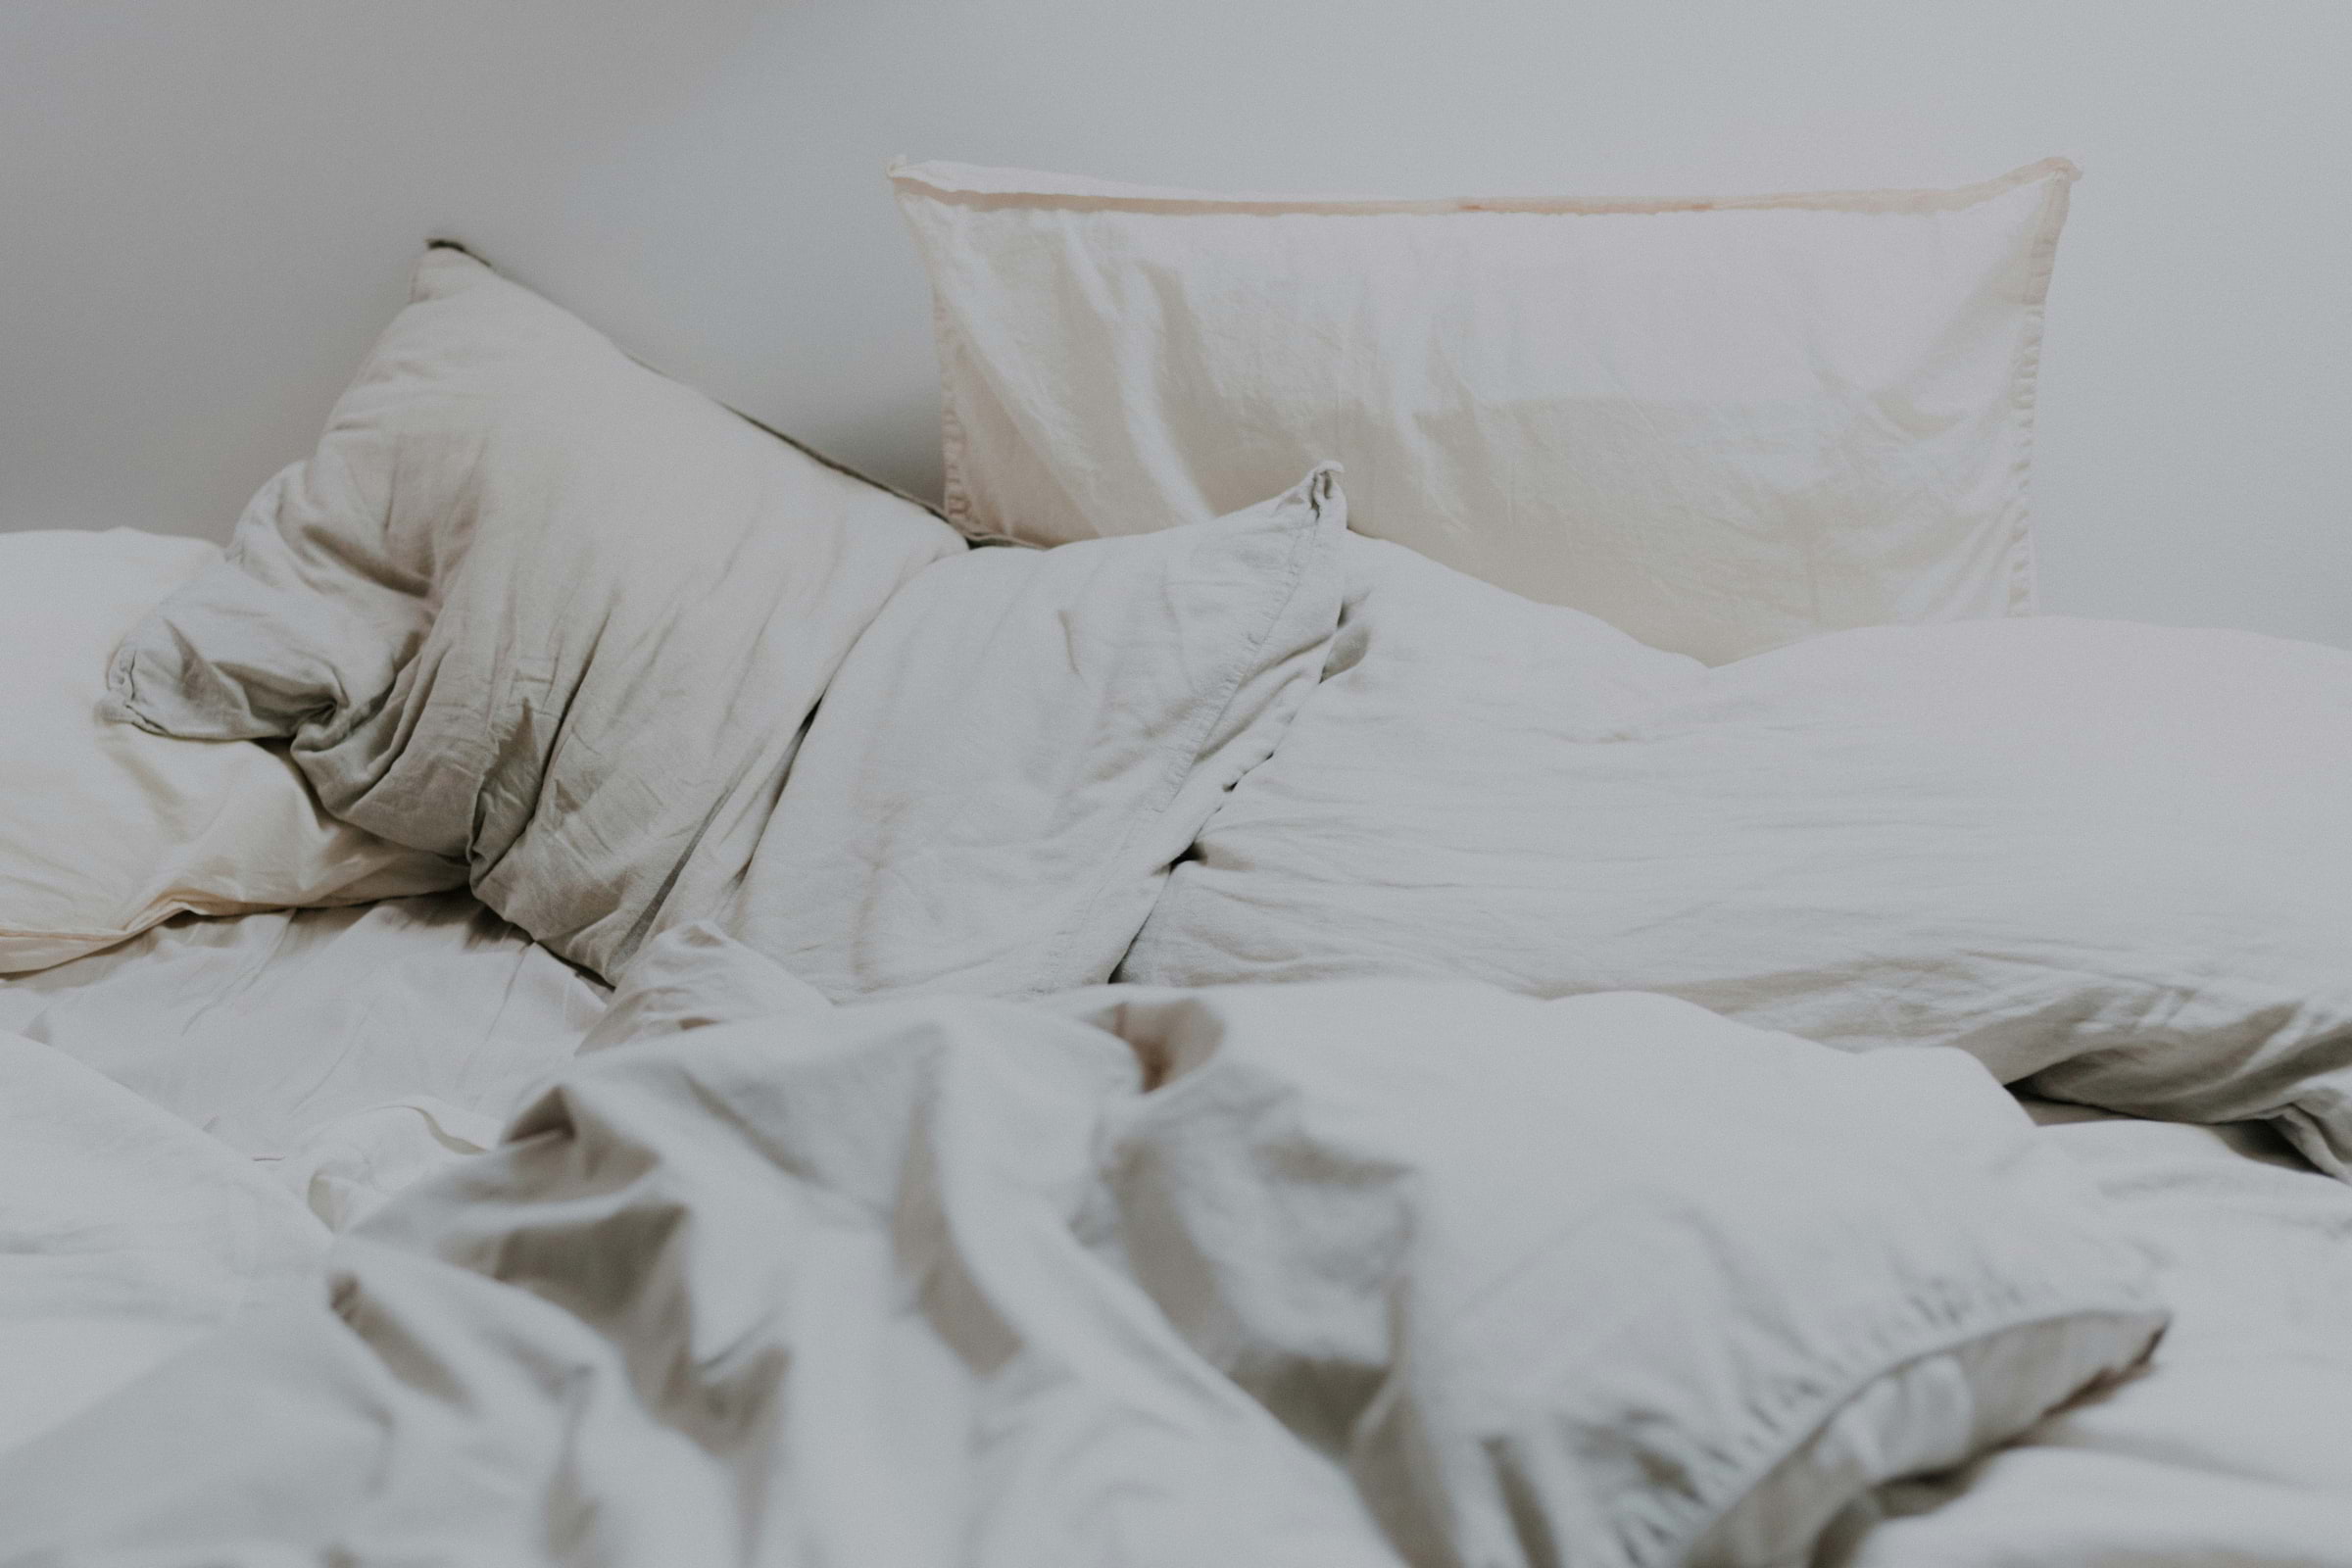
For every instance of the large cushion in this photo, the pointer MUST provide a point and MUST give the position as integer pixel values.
(1607, 1280)
(105, 831)
(1024, 740)
(1722, 425)
(534, 607)
(2112, 859)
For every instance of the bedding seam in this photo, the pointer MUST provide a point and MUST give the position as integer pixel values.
(2024, 590)
(1184, 757)
(1184, 203)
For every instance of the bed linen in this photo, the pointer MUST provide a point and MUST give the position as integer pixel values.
(886, 1299)
(1023, 742)
(2111, 860)
(345, 1050)
(126, 1237)
(533, 607)
(1721, 423)
(187, 1118)
(2232, 1449)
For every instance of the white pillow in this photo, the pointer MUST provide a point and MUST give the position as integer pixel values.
(1013, 754)
(1719, 424)
(533, 606)
(1606, 1280)
(2114, 860)
(106, 831)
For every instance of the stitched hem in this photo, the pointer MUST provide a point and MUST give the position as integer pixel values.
(1184, 755)
(1806, 1417)
(2024, 597)
(956, 493)
(967, 186)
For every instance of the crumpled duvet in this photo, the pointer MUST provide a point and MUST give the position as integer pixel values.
(1348, 1274)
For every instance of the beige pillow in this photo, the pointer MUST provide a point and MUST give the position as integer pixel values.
(1719, 424)
(531, 605)
(106, 831)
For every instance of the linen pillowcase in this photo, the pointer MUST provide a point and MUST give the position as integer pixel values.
(105, 831)
(1607, 1280)
(1022, 742)
(1719, 424)
(2113, 862)
(535, 608)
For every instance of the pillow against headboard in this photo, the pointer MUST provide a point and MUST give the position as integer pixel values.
(1719, 424)
(535, 608)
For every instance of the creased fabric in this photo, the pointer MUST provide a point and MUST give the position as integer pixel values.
(347, 1051)
(1720, 423)
(1337, 1276)
(535, 609)
(127, 1235)
(1023, 742)
(2234, 1446)
(106, 831)
(2112, 860)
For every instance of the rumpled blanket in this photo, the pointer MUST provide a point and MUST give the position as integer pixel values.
(1327, 1274)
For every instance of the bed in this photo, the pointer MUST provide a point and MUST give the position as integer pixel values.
(598, 988)
(2230, 1446)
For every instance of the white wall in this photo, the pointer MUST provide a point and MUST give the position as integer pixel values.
(207, 208)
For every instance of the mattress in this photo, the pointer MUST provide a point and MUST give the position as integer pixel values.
(194, 1113)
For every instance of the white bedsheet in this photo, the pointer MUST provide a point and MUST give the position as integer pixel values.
(351, 1050)
(127, 1231)
(126, 1235)
(187, 1118)
(2233, 1448)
